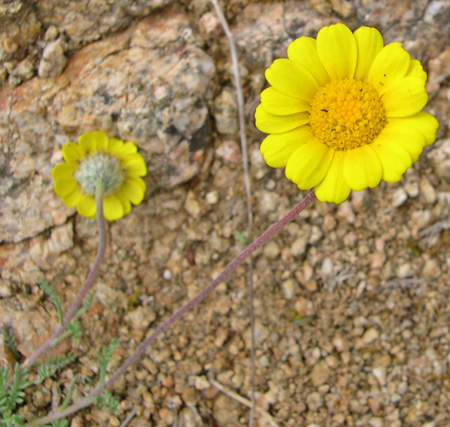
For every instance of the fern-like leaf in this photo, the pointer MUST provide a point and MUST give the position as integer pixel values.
(48, 368)
(53, 297)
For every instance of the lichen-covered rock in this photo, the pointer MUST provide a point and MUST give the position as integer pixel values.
(24, 24)
(53, 60)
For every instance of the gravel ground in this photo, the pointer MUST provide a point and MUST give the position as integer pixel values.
(351, 301)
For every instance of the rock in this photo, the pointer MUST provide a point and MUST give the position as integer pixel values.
(376, 422)
(370, 336)
(271, 250)
(192, 205)
(261, 334)
(405, 270)
(412, 188)
(212, 197)
(201, 383)
(433, 9)
(427, 191)
(314, 401)
(51, 33)
(289, 288)
(189, 417)
(439, 71)
(209, 25)
(299, 246)
(225, 411)
(380, 374)
(140, 318)
(320, 373)
(164, 112)
(229, 151)
(53, 60)
(431, 269)
(225, 112)
(440, 156)
(399, 197)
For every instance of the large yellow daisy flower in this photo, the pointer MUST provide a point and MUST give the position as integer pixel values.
(97, 160)
(344, 112)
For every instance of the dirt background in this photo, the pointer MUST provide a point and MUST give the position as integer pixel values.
(351, 301)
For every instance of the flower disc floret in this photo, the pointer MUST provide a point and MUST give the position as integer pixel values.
(347, 114)
(98, 161)
(98, 169)
(343, 112)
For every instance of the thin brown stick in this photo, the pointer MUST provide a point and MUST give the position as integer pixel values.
(248, 192)
(243, 401)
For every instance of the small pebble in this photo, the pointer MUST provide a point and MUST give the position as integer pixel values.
(212, 197)
(370, 335)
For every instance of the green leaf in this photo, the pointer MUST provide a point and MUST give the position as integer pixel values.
(52, 295)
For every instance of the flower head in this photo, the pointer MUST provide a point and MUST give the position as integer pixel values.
(98, 161)
(344, 112)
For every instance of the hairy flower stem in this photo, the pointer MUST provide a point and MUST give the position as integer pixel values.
(263, 238)
(50, 342)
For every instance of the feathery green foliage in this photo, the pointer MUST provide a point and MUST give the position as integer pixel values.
(49, 367)
(10, 342)
(52, 295)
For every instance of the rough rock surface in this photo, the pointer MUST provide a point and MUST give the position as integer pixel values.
(351, 301)
(149, 84)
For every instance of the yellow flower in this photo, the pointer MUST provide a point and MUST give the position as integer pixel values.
(344, 112)
(96, 160)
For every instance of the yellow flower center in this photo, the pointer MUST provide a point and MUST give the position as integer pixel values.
(347, 114)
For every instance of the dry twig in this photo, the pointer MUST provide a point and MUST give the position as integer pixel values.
(241, 114)
(243, 401)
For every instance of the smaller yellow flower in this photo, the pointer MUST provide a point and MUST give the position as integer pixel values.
(99, 160)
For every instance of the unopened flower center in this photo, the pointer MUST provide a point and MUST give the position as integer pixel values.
(347, 114)
(99, 168)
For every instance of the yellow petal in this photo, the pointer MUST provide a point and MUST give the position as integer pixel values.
(64, 186)
(277, 103)
(422, 121)
(133, 191)
(369, 42)
(101, 140)
(278, 147)
(394, 158)
(416, 70)
(72, 153)
(128, 148)
(309, 164)
(304, 51)
(362, 168)
(270, 123)
(389, 66)
(409, 138)
(63, 170)
(114, 145)
(134, 164)
(336, 47)
(406, 98)
(72, 199)
(126, 205)
(86, 206)
(292, 79)
(112, 208)
(334, 188)
(88, 142)
(137, 180)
